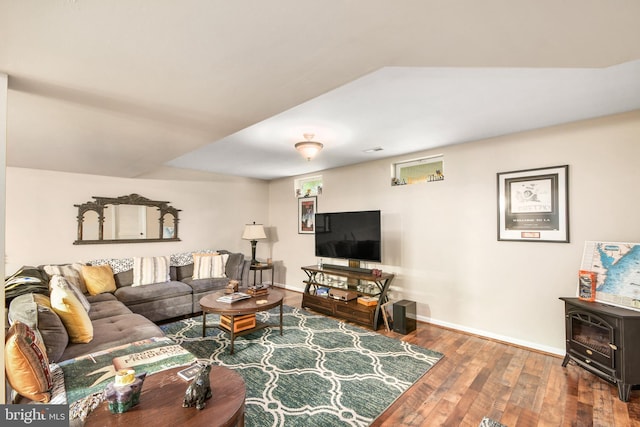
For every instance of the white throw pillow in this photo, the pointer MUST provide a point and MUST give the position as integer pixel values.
(149, 270)
(209, 266)
(58, 281)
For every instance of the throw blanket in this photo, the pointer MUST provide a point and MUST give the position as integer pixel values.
(87, 375)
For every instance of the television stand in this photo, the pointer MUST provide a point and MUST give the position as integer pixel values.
(363, 283)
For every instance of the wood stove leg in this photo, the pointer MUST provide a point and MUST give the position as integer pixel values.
(565, 361)
(624, 390)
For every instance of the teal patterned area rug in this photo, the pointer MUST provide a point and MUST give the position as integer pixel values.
(321, 372)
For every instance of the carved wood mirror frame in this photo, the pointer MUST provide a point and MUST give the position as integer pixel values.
(101, 203)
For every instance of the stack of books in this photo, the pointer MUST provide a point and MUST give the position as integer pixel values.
(236, 296)
(257, 292)
(368, 300)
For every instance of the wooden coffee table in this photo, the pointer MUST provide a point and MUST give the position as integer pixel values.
(246, 306)
(161, 403)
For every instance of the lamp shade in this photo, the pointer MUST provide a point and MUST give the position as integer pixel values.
(253, 232)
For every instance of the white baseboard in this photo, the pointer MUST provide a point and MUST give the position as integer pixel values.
(490, 335)
(473, 331)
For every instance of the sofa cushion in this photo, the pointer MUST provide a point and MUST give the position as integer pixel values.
(150, 270)
(234, 266)
(34, 310)
(131, 295)
(26, 363)
(71, 272)
(124, 278)
(200, 286)
(74, 316)
(182, 272)
(102, 309)
(98, 279)
(101, 297)
(114, 331)
(209, 266)
(61, 282)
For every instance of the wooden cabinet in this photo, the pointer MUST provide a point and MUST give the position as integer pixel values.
(321, 280)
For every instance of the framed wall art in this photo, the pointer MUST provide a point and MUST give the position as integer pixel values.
(307, 208)
(533, 205)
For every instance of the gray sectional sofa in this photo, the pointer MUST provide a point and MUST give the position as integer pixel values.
(129, 313)
(181, 295)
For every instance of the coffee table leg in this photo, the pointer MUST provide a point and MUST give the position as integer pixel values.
(232, 333)
(204, 324)
(280, 317)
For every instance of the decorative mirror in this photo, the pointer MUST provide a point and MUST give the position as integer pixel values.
(126, 219)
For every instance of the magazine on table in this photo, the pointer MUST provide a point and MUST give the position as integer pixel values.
(236, 296)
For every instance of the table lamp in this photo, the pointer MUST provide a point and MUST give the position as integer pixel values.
(253, 232)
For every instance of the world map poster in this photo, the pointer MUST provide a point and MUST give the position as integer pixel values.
(617, 268)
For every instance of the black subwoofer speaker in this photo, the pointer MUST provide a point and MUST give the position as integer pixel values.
(404, 316)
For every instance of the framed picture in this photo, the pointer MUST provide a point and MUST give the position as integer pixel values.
(533, 205)
(307, 207)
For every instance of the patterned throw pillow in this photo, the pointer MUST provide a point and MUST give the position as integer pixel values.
(149, 270)
(99, 279)
(61, 282)
(26, 363)
(72, 313)
(34, 310)
(209, 266)
(71, 272)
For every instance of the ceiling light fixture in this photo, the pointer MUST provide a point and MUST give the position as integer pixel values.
(308, 148)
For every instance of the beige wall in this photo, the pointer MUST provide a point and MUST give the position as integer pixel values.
(440, 238)
(41, 217)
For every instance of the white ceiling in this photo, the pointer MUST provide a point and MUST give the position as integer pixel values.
(155, 88)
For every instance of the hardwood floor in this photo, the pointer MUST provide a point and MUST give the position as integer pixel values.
(518, 387)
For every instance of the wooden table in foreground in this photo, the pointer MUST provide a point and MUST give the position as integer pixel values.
(161, 403)
(209, 304)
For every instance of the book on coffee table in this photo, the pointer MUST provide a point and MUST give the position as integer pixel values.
(189, 373)
(236, 296)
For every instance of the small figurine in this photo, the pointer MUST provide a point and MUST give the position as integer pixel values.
(124, 393)
(232, 287)
(199, 390)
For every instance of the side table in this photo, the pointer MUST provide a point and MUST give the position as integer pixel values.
(261, 267)
(161, 402)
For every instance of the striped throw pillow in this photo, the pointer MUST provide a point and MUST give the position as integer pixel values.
(209, 266)
(149, 270)
(71, 272)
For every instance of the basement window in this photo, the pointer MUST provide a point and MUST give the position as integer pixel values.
(424, 169)
(309, 186)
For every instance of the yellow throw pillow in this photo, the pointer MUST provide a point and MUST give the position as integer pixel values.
(73, 315)
(26, 363)
(98, 279)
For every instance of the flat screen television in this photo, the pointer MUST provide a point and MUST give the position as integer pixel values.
(349, 235)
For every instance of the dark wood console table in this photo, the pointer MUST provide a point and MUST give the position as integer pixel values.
(603, 339)
(161, 403)
(363, 282)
